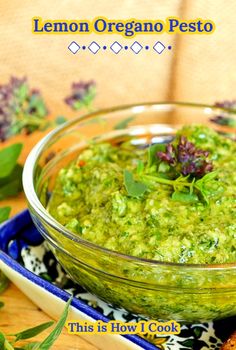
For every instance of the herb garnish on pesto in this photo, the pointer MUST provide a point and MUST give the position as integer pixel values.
(181, 166)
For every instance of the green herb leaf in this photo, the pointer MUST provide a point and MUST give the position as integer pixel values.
(134, 188)
(208, 177)
(7, 345)
(123, 124)
(8, 159)
(15, 174)
(22, 92)
(140, 167)
(152, 151)
(3, 283)
(208, 186)
(2, 340)
(41, 108)
(60, 120)
(31, 346)
(89, 97)
(163, 167)
(11, 185)
(32, 332)
(184, 197)
(4, 214)
(46, 344)
(1, 304)
(78, 105)
(49, 341)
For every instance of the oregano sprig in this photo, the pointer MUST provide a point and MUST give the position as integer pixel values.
(21, 109)
(181, 166)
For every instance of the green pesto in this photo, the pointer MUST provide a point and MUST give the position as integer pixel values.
(90, 199)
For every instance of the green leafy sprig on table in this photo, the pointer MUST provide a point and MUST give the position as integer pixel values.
(21, 109)
(181, 166)
(46, 344)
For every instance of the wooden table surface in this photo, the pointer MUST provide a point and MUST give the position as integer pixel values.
(19, 312)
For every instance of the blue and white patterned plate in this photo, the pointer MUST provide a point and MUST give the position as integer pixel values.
(27, 261)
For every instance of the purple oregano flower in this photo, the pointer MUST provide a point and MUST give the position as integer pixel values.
(186, 158)
(82, 95)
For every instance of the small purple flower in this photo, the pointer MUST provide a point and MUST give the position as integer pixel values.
(168, 156)
(225, 119)
(186, 159)
(82, 95)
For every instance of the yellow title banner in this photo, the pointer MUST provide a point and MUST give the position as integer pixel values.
(127, 28)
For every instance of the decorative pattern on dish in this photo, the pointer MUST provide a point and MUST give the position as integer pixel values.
(41, 261)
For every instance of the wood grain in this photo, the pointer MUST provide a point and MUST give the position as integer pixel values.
(20, 313)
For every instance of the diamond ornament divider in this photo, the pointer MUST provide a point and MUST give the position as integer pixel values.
(116, 47)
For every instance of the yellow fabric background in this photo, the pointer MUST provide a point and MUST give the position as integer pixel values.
(198, 68)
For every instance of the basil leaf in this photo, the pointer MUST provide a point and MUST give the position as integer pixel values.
(123, 123)
(32, 332)
(152, 151)
(134, 188)
(184, 197)
(4, 214)
(1, 304)
(49, 341)
(8, 159)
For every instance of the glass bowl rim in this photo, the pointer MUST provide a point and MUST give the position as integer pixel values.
(28, 185)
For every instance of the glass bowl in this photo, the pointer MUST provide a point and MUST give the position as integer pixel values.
(164, 291)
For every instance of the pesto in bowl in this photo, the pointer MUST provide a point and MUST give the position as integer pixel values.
(90, 198)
